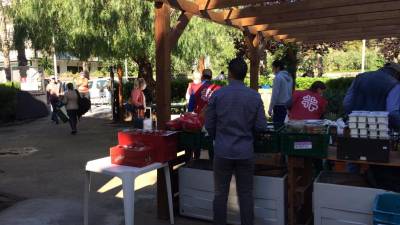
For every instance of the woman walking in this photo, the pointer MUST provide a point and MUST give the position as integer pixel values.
(71, 99)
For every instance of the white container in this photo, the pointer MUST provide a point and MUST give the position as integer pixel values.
(343, 205)
(354, 135)
(362, 126)
(352, 125)
(147, 124)
(196, 189)
(354, 132)
(373, 126)
(383, 135)
(362, 119)
(382, 117)
(371, 119)
(353, 119)
(373, 133)
(363, 132)
(383, 127)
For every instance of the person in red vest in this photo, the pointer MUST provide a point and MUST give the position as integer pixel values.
(203, 95)
(309, 104)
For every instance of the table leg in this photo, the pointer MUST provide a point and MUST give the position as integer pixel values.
(169, 192)
(128, 187)
(86, 198)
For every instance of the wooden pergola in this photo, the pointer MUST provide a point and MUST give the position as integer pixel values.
(307, 21)
(260, 20)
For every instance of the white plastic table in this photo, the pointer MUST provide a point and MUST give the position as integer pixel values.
(128, 175)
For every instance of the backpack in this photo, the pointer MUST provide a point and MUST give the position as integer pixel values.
(84, 105)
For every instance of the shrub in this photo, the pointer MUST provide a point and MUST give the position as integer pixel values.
(178, 89)
(335, 93)
(8, 102)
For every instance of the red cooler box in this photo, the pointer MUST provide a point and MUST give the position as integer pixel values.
(163, 143)
(136, 156)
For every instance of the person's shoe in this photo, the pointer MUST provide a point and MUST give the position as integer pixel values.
(73, 132)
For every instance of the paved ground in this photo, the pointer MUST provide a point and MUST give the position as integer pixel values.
(51, 180)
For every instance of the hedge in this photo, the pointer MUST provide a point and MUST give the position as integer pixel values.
(8, 101)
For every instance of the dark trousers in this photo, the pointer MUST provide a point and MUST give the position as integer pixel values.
(244, 172)
(73, 118)
(279, 116)
(54, 106)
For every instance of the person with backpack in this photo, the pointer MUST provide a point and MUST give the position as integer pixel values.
(71, 100)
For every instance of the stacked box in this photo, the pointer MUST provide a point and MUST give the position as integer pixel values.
(196, 188)
(337, 204)
(366, 124)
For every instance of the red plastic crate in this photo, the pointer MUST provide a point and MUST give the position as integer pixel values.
(135, 156)
(163, 143)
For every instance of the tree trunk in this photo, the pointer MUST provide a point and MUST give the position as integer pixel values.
(5, 43)
(85, 66)
(320, 65)
(120, 74)
(146, 72)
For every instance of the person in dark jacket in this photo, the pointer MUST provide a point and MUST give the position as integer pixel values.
(378, 91)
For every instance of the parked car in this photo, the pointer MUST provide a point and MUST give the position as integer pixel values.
(99, 91)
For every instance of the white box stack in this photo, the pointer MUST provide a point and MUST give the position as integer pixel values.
(365, 124)
(196, 188)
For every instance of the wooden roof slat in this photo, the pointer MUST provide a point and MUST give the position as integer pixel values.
(340, 26)
(350, 36)
(302, 6)
(321, 14)
(337, 20)
(358, 31)
(219, 4)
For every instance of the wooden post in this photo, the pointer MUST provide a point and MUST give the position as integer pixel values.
(254, 45)
(163, 63)
(163, 90)
(166, 39)
(254, 70)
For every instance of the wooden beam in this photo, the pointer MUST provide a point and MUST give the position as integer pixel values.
(193, 8)
(296, 7)
(395, 14)
(179, 28)
(341, 26)
(348, 37)
(333, 13)
(219, 4)
(358, 31)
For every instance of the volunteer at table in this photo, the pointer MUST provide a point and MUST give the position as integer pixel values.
(378, 91)
(309, 104)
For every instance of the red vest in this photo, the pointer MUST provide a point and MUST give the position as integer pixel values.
(307, 105)
(203, 95)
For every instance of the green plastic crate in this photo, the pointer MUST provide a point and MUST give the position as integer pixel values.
(306, 145)
(269, 142)
(190, 140)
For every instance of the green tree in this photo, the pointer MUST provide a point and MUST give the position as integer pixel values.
(202, 38)
(5, 36)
